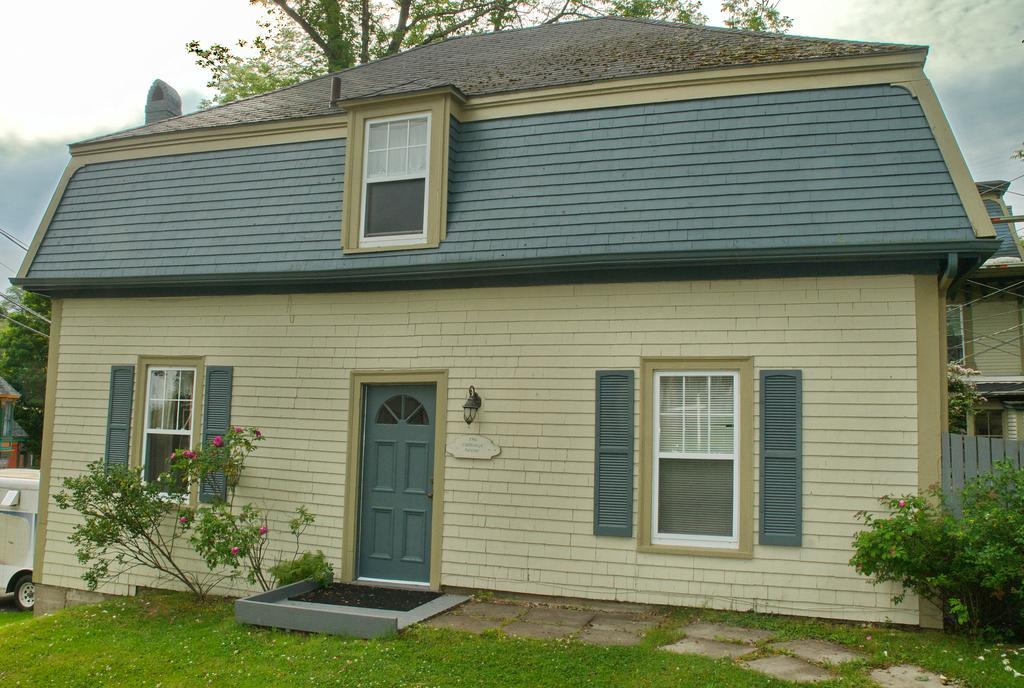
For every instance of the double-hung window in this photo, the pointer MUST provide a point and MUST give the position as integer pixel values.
(696, 460)
(394, 197)
(168, 421)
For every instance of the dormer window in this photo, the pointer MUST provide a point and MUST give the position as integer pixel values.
(395, 176)
(396, 172)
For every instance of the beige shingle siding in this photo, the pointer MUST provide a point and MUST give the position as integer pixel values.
(996, 336)
(523, 521)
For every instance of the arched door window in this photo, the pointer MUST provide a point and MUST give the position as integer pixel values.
(402, 408)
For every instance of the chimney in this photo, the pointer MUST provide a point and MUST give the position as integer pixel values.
(162, 102)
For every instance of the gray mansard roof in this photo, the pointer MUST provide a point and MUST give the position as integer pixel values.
(791, 181)
(539, 57)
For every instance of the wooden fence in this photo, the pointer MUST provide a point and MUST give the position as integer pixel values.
(966, 456)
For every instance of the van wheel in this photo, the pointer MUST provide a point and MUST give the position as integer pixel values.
(25, 593)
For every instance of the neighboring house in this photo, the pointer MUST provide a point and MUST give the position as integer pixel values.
(986, 326)
(12, 436)
(697, 277)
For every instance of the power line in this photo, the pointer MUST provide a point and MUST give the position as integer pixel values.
(23, 307)
(21, 324)
(15, 240)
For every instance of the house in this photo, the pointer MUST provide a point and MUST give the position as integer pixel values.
(691, 283)
(986, 326)
(12, 435)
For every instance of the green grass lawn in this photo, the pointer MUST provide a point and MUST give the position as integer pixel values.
(8, 617)
(167, 640)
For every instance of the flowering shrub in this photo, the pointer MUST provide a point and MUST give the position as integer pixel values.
(224, 453)
(973, 566)
(963, 397)
(129, 523)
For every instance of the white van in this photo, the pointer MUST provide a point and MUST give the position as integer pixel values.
(19, 504)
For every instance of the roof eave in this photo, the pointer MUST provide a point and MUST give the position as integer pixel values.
(921, 257)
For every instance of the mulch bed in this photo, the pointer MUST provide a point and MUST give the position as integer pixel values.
(349, 595)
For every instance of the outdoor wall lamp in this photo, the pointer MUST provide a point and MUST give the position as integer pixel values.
(472, 405)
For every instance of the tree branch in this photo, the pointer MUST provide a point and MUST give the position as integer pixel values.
(401, 28)
(310, 30)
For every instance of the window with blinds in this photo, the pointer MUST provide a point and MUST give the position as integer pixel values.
(696, 463)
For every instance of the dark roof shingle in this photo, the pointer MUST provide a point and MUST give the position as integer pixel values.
(6, 389)
(538, 57)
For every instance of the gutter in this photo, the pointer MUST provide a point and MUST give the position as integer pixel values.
(676, 265)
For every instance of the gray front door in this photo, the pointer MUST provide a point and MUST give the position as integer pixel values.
(397, 483)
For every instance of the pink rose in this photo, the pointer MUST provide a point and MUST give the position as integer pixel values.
(902, 503)
(183, 519)
(189, 454)
(238, 430)
(263, 530)
(258, 433)
(235, 551)
(218, 441)
(867, 638)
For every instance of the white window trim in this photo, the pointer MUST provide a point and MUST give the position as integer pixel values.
(397, 239)
(706, 541)
(146, 431)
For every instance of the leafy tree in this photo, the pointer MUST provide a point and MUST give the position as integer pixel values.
(755, 15)
(24, 345)
(301, 39)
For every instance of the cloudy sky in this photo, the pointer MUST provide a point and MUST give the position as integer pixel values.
(77, 69)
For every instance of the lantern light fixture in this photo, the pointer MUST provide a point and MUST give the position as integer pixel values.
(472, 405)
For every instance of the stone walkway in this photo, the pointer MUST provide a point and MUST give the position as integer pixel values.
(800, 661)
(549, 623)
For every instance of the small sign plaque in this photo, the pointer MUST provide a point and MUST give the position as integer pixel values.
(472, 447)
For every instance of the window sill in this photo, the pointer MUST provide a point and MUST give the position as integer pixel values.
(396, 247)
(689, 550)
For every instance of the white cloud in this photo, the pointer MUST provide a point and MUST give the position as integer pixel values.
(72, 68)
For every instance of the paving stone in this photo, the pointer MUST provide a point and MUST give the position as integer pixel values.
(490, 610)
(600, 636)
(906, 676)
(537, 631)
(789, 669)
(635, 623)
(736, 634)
(708, 648)
(558, 616)
(818, 651)
(469, 624)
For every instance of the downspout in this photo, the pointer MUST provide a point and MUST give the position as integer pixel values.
(949, 276)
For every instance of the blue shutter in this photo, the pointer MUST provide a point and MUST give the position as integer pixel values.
(216, 421)
(613, 469)
(119, 415)
(781, 457)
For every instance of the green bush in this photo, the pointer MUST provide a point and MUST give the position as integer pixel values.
(972, 565)
(308, 565)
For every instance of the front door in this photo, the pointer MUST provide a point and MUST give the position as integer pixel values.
(397, 483)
